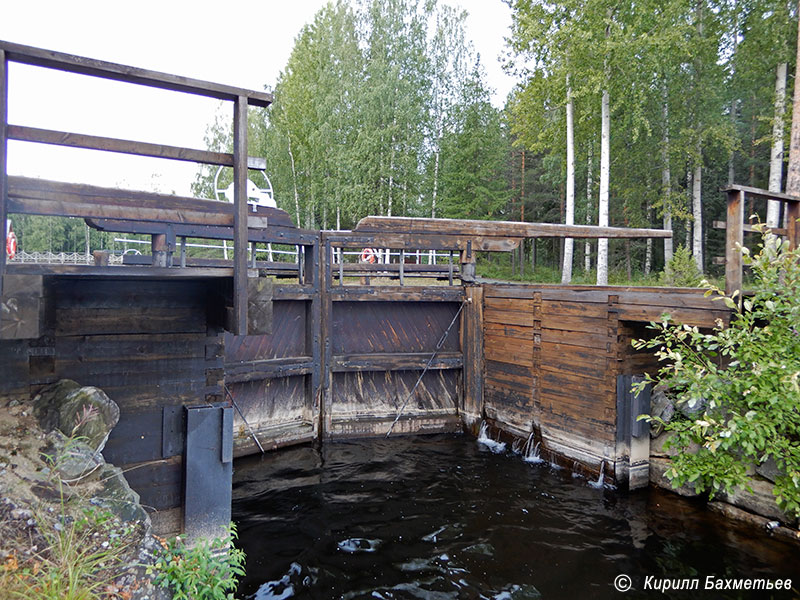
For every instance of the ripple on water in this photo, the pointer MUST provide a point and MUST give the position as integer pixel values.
(359, 520)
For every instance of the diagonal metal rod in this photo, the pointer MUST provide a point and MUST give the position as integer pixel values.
(238, 410)
(425, 370)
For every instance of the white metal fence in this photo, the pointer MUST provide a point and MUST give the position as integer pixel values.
(61, 258)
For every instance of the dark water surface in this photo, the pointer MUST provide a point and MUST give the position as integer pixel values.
(442, 517)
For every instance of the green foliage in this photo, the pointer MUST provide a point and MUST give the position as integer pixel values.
(682, 270)
(744, 381)
(206, 571)
(474, 154)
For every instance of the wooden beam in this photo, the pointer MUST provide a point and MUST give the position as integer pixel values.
(734, 236)
(107, 70)
(146, 272)
(414, 361)
(3, 162)
(106, 144)
(396, 294)
(240, 216)
(760, 193)
(747, 228)
(54, 198)
(500, 229)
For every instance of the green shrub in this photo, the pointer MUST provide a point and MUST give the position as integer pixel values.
(681, 270)
(205, 571)
(747, 378)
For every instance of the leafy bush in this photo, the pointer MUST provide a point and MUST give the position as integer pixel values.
(747, 378)
(681, 270)
(206, 571)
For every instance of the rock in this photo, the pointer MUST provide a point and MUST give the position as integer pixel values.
(118, 497)
(84, 412)
(73, 459)
(769, 470)
(760, 500)
(657, 447)
(692, 407)
(660, 406)
(46, 403)
(659, 466)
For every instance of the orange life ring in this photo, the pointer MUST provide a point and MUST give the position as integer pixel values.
(368, 255)
(11, 245)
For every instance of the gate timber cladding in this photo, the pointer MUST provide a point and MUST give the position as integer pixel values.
(551, 363)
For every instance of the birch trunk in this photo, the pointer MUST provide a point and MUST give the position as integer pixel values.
(294, 183)
(566, 271)
(648, 255)
(793, 168)
(602, 201)
(666, 181)
(776, 154)
(435, 184)
(688, 241)
(587, 245)
(697, 214)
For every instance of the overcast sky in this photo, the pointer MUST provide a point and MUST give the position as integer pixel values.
(196, 39)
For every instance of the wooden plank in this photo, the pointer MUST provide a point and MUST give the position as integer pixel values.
(240, 286)
(94, 321)
(381, 327)
(699, 317)
(579, 339)
(376, 394)
(55, 198)
(288, 337)
(131, 348)
(508, 331)
(152, 273)
(397, 294)
(107, 70)
(124, 294)
(512, 229)
(594, 370)
(748, 228)
(158, 483)
(734, 235)
(3, 164)
(106, 144)
(395, 362)
(472, 344)
(518, 354)
(593, 325)
(256, 370)
(559, 308)
(758, 192)
(510, 317)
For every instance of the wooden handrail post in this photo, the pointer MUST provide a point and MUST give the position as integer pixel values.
(792, 225)
(239, 325)
(734, 235)
(158, 248)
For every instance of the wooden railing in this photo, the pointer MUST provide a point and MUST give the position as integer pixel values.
(58, 199)
(735, 228)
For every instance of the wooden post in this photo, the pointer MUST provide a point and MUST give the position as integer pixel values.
(3, 162)
(472, 349)
(792, 226)
(158, 248)
(239, 324)
(734, 236)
